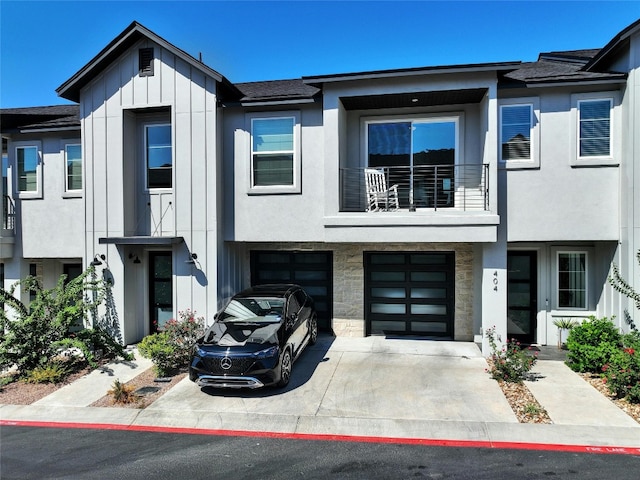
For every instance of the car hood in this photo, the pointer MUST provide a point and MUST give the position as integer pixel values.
(234, 334)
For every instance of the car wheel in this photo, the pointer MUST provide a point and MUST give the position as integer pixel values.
(285, 369)
(313, 330)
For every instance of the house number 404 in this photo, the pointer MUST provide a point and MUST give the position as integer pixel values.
(495, 281)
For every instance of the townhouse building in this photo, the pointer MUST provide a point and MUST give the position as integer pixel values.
(428, 201)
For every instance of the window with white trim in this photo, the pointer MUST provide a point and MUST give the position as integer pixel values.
(73, 167)
(519, 132)
(158, 152)
(594, 118)
(515, 132)
(572, 280)
(275, 157)
(28, 170)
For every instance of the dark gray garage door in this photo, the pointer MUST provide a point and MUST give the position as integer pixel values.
(410, 293)
(313, 271)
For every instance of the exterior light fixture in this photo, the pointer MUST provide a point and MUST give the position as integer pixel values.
(192, 259)
(97, 259)
(136, 260)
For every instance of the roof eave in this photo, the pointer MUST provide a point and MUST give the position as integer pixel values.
(613, 45)
(621, 80)
(438, 70)
(133, 33)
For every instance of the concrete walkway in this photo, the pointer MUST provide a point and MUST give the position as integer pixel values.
(373, 387)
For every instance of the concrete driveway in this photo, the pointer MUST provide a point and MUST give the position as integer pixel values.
(356, 378)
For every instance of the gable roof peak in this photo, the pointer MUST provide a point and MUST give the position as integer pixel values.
(127, 38)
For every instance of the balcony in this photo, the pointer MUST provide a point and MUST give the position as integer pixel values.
(8, 214)
(7, 235)
(432, 188)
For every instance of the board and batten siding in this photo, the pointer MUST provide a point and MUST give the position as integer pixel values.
(111, 105)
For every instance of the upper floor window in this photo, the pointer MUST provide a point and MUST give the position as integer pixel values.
(73, 162)
(412, 142)
(595, 128)
(572, 280)
(519, 132)
(595, 142)
(275, 158)
(28, 171)
(158, 155)
(515, 132)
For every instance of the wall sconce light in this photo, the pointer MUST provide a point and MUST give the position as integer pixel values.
(136, 260)
(192, 259)
(97, 259)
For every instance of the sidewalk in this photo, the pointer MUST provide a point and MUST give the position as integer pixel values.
(366, 387)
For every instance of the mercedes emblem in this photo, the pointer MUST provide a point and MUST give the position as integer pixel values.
(225, 363)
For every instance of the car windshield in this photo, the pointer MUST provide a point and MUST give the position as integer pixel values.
(255, 310)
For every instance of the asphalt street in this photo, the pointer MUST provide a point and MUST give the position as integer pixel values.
(60, 453)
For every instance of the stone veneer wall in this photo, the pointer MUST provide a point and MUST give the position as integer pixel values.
(348, 281)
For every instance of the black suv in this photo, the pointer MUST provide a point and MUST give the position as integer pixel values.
(255, 339)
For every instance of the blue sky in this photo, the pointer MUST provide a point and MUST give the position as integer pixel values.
(42, 44)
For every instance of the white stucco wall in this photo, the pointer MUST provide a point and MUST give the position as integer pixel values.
(558, 200)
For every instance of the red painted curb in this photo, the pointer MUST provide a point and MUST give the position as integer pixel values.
(330, 437)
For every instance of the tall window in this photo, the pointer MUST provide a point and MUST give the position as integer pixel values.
(572, 280)
(516, 132)
(27, 165)
(272, 151)
(159, 156)
(73, 157)
(595, 128)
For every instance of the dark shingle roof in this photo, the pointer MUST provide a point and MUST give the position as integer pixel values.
(276, 90)
(39, 118)
(579, 56)
(552, 71)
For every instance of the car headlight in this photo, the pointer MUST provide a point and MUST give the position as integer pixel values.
(266, 353)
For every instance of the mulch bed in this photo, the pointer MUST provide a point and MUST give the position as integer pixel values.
(147, 382)
(597, 382)
(23, 393)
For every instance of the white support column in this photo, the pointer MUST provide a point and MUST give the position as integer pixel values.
(494, 293)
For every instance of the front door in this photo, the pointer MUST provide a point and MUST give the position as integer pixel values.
(522, 295)
(160, 289)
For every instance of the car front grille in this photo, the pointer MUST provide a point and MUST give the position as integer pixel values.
(239, 365)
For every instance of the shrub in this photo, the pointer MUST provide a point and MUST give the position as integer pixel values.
(53, 373)
(622, 374)
(170, 349)
(512, 362)
(94, 343)
(183, 334)
(162, 353)
(591, 344)
(29, 340)
(122, 393)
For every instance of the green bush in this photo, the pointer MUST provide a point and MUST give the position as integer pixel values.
(622, 374)
(159, 348)
(591, 344)
(512, 362)
(94, 343)
(53, 373)
(170, 349)
(30, 339)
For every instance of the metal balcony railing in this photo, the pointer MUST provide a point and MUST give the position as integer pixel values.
(8, 213)
(434, 187)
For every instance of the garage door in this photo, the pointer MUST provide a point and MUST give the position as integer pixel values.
(410, 293)
(313, 271)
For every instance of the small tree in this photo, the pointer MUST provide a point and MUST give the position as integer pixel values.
(31, 339)
(620, 285)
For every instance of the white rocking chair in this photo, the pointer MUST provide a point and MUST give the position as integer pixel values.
(379, 197)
